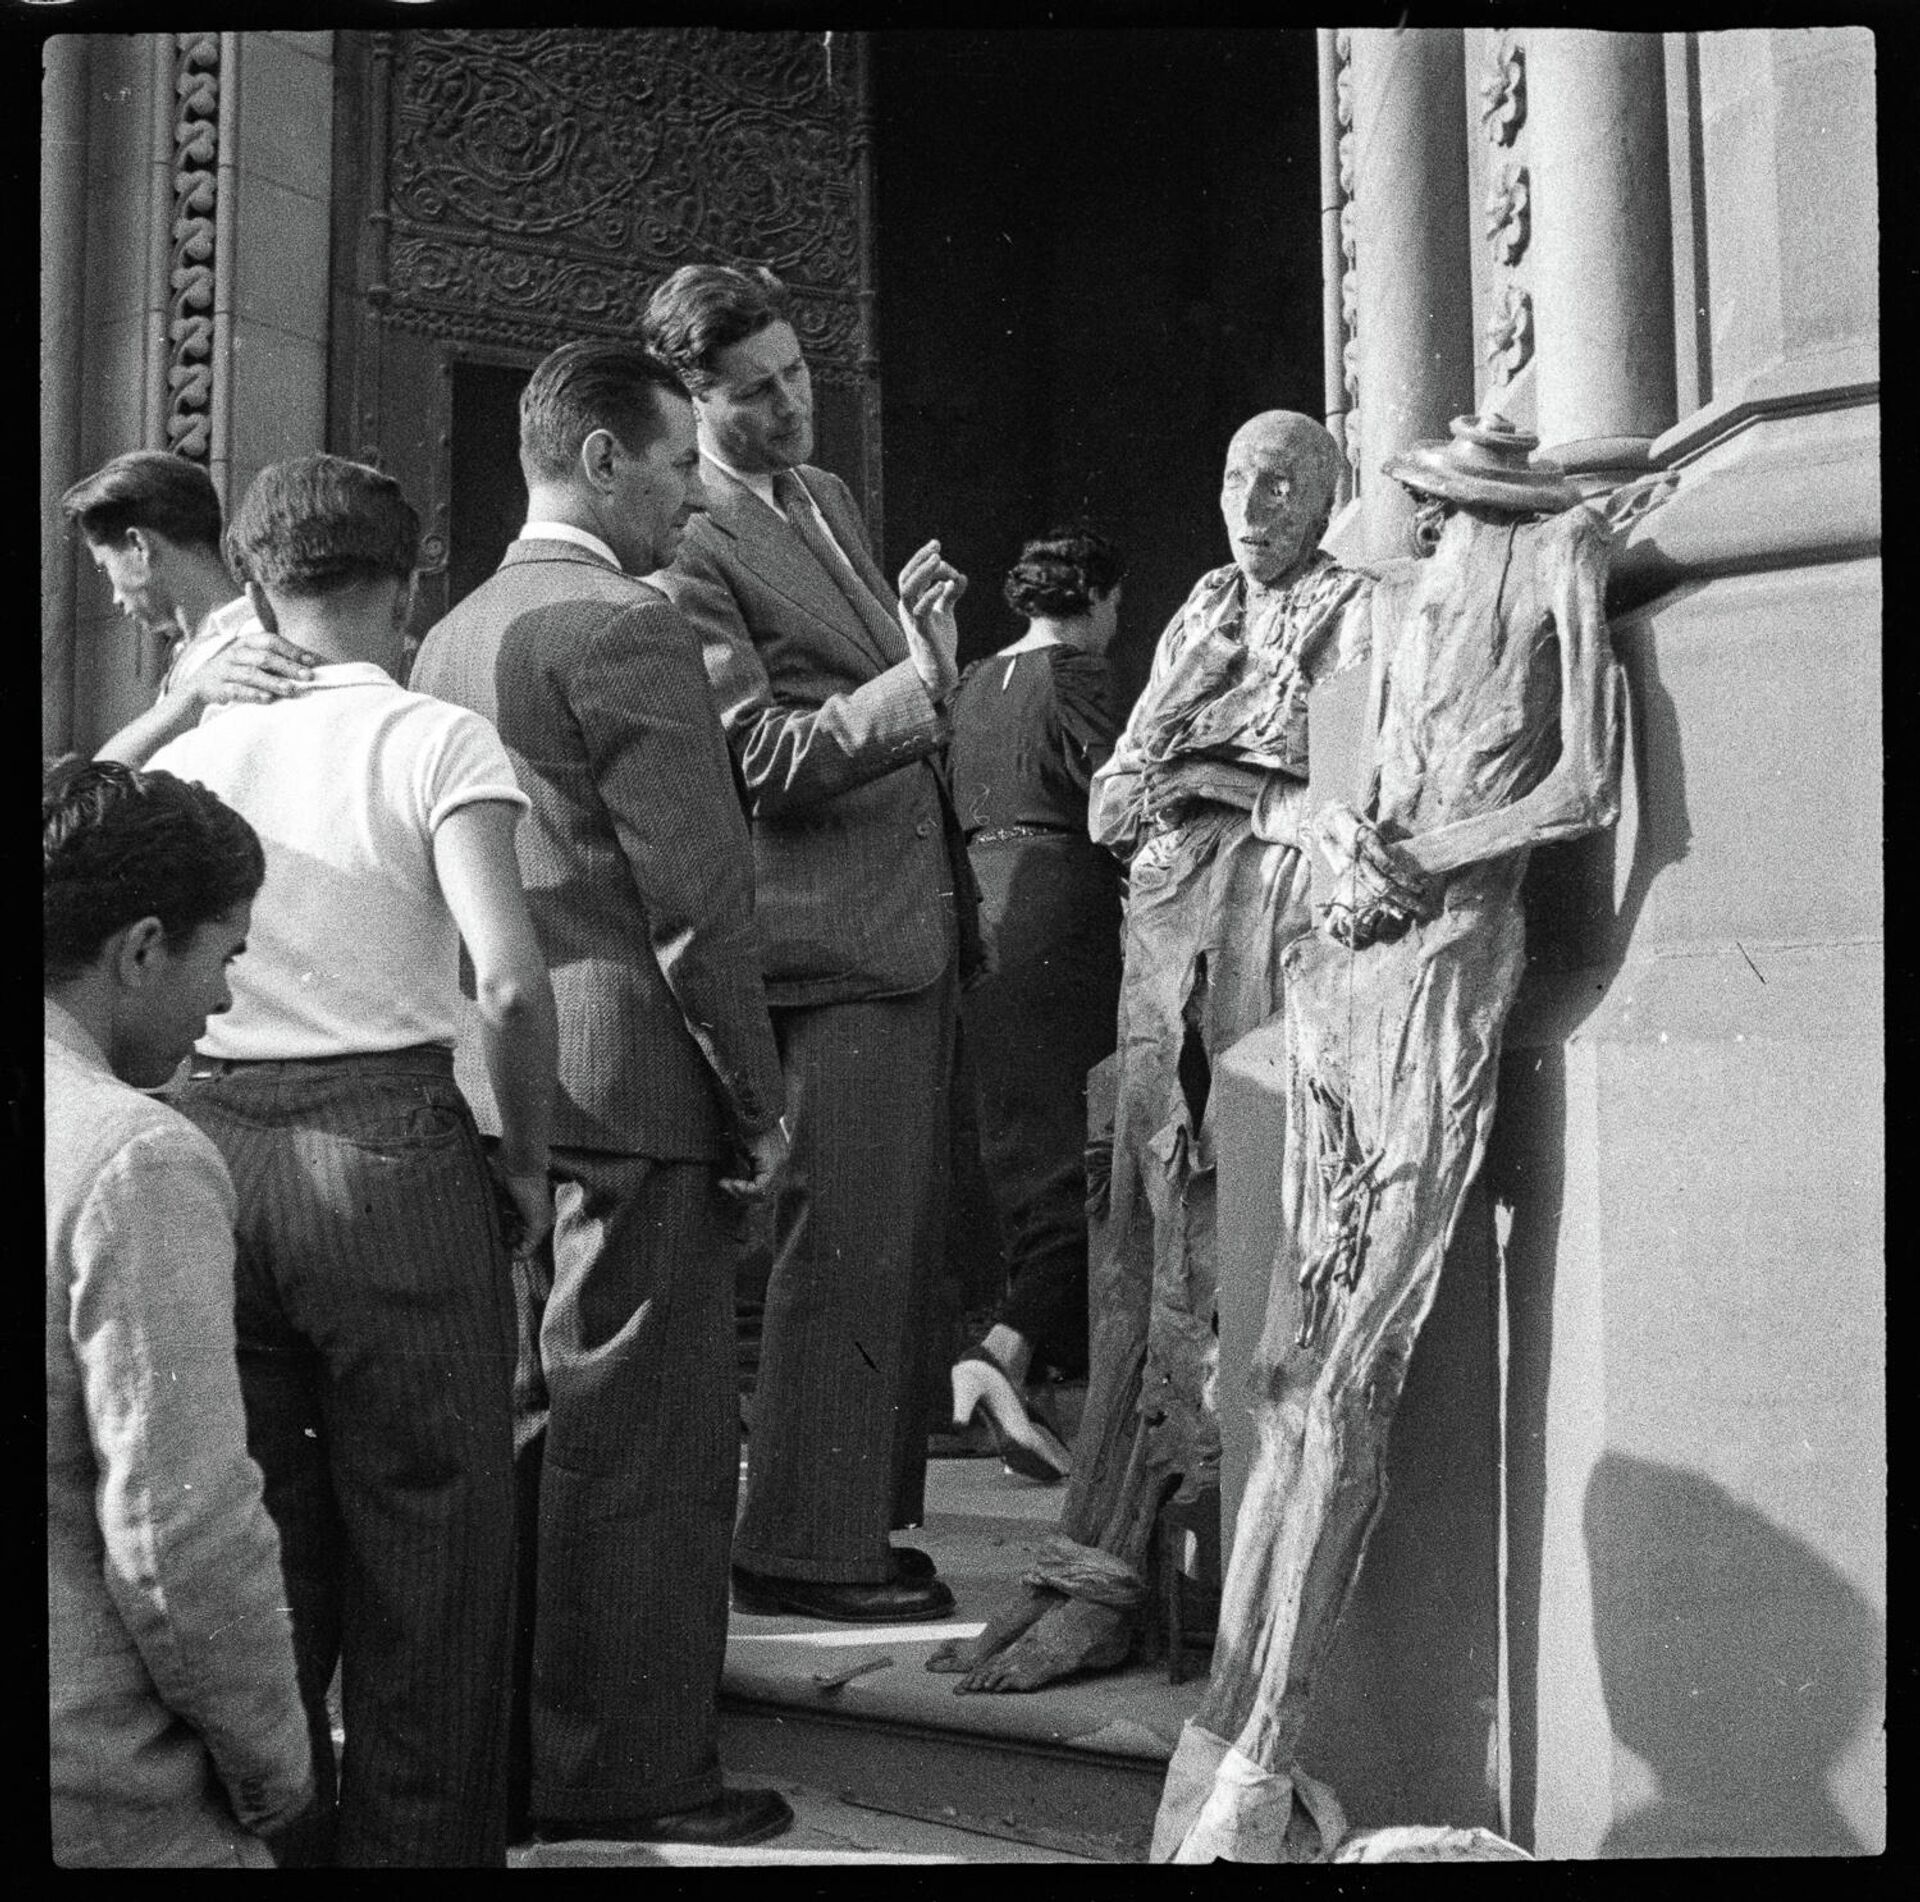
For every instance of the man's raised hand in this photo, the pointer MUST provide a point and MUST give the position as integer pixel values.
(930, 589)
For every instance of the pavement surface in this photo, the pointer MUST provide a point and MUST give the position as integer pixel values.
(983, 1528)
(826, 1829)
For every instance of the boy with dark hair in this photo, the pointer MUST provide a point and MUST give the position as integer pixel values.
(175, 1729)
(152, 525)
(374, 1311)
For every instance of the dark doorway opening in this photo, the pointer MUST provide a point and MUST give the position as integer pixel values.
(486, 498)
(1098, 254)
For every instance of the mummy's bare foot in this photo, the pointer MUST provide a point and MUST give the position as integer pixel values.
(1002, 1628)
(1075, 1635)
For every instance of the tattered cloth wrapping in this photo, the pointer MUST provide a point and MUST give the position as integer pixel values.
(1232, 685)
(1211, 907)
(1219, 1806)
(1429, 1842)
(1084, 1571)
(1499, 729)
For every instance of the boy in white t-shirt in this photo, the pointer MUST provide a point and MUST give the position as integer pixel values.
(374, 1312)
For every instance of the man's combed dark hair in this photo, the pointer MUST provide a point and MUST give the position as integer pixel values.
(121, 845)
(703, 309)
(151, 489)
(582, 387)
(316, 524)
(1058, 574)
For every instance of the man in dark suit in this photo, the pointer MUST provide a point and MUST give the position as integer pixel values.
(637, 868)
(830, 687)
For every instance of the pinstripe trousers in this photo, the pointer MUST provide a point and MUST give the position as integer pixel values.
(375, 1329)
(838, 1451)
(627, 1450)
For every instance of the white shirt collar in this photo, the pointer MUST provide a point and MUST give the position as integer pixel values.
(66, 1030)
(761, 485)
(231, 617)
(566, 532)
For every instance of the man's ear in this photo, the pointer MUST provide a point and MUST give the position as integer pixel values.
(143, 543)
(596, 457)
(262, 607)
(135, 951)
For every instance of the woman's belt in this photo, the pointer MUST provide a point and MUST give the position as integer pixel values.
(1002, 833)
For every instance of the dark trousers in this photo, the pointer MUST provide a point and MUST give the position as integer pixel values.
(838, 1451)
(627, 1450)
(375, 1335)
(1036, 1023)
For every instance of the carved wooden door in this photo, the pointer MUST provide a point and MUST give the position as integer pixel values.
(498, 192)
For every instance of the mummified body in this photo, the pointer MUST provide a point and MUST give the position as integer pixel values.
(1496, 703)
(1214, 899)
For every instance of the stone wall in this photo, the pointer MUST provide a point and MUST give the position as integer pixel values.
(184, 204)
(1687, 1175)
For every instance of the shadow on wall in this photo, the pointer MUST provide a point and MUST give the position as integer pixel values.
(1734, 1660)
(1525, 1176)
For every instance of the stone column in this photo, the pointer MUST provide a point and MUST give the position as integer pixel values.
(1602, 247)
(1333, 328)
(1413, 229)
(63, 251)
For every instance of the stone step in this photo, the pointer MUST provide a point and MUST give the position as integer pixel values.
(826, 1829)
(1074, 1768)
(1088, 1804)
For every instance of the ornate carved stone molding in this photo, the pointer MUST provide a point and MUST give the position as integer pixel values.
(559, 174)
(196, 87)
(1349, 250)
(1508, 221)
(1508, 209)
(1503, 91)
(1510, 332)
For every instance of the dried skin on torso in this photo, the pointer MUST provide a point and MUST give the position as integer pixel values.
(1472, 716)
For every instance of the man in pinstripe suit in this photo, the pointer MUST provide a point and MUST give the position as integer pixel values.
(638, 874)
(830, 690)
(640, 881)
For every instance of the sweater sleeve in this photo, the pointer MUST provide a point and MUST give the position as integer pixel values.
(192, 1560)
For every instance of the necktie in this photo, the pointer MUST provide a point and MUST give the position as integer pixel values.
(875, 614)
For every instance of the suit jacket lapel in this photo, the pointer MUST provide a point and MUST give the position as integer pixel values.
(851, 534)
(781, 559)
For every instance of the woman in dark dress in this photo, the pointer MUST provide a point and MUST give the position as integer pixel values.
(1031, 725)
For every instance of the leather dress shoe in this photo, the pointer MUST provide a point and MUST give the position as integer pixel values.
(732, 1820)
(909, 1562)
(899, 1600)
